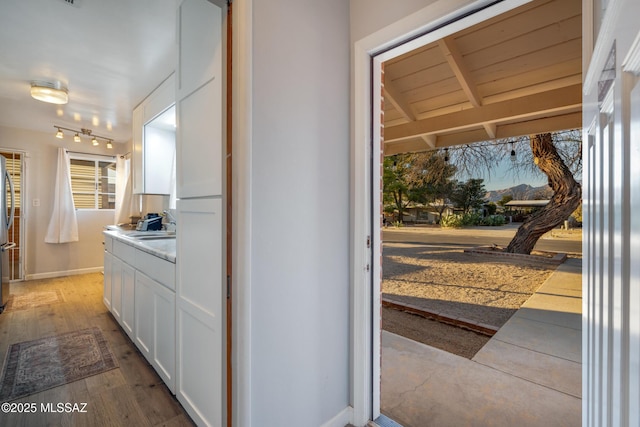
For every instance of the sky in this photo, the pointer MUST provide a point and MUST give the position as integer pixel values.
(501, 178)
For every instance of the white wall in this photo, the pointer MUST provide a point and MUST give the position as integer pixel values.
(46, 259)
(369, 16)
(300, 212)
(611, 245)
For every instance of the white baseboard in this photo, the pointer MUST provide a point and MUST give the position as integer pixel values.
(53, 274)
(341, 419)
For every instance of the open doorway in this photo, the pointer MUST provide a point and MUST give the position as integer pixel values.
(15, 168)
(493, 73)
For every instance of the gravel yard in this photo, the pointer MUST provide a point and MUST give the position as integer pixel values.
(482, 289)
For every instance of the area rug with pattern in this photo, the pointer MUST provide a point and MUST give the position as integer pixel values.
(37, 365)
(34, 299)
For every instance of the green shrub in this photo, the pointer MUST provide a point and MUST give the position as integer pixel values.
(494, 220)
(467, 220)
(457, 220)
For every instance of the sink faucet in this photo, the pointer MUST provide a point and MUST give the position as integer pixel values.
(170, 217)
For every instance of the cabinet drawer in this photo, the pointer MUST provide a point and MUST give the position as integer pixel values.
(108, 243)
(158, 269)
(123, 251)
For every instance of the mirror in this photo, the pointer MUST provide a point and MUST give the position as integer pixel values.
(160, 152)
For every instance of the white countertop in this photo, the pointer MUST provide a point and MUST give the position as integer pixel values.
(162, 248)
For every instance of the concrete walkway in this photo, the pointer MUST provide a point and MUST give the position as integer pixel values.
(528, 374)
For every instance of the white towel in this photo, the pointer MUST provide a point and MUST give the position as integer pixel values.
(63, 226)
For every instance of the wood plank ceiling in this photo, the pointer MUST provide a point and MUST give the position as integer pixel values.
(517, 74)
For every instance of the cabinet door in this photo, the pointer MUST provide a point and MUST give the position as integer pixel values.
(164, 329)
(143, 325)
(108, 274)
(200, 307)
(128, 299)
(116, 288)
(199, 101)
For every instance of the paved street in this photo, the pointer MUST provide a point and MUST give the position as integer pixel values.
(555, 241)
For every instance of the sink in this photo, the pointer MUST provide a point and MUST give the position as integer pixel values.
(151, 235)
(156, 237)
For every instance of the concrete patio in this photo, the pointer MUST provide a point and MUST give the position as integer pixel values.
(528, 374)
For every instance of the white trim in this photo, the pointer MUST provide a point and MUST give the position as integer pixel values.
(341, 419)
(376, 244)
(631, 62)
(241, 190)
(54, 274)
(603, 45)
(433, 15)
(453, 27)
(361, 350)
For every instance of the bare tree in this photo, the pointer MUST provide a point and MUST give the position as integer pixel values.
(558, 156)
(567, 195)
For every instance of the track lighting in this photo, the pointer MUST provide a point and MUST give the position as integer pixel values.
(84, 132)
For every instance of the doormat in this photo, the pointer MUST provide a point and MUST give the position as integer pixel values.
(34, 299)
(33, 366)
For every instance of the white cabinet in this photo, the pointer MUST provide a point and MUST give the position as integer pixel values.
(108, 274)
(128, 299)
(199, 100)
(119, 282)
(139, 290)
(143, 331)
(153, 140)
(116, 288)
(155, 326)
(200, 145)
(201, 299)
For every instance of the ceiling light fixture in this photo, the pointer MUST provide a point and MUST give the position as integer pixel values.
(513, 152)
(84, 132)
(53, 93)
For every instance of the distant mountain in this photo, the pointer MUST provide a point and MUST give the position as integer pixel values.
(520, 192)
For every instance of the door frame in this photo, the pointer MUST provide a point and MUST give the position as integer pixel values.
(24, 155)
(441, 18)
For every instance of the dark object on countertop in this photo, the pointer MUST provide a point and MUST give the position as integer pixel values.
(151, 222)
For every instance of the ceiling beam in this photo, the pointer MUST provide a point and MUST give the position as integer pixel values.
(456, 62)
(397, 100)
(550, 102)
(402, 106)
(534, 126)
(463, 75)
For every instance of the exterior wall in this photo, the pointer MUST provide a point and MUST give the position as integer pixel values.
(299, 202)
(611, 274)
(45, 259)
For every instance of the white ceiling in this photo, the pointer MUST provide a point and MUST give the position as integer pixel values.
(110, 54)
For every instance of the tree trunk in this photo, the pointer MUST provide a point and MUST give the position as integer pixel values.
(567, 196)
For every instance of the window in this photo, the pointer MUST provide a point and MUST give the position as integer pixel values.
(93, 181)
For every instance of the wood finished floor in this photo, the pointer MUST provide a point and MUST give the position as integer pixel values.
(131, 395)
